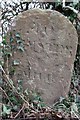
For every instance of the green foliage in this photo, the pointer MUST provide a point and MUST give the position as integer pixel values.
(6, 110)
(12, 70)
(66, 107)
(72, 17)
(20, 48)
(34, 99)
(16, 62)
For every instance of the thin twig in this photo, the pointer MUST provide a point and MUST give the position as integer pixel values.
(13, 87)
(19, 111)
(6, 95)
(71, 8)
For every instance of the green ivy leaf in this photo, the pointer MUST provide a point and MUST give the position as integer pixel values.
(16, 62)
(74, 110)
(11, 39)
(41, 105)
(20, 48)
(75, 2)
(15, 107)
(20, 82)
(14, 100)
(19, 41)
(4, 42)
(7, 53)
(6, 110)
(17, 35)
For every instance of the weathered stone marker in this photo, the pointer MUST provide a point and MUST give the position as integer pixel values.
(50, 42)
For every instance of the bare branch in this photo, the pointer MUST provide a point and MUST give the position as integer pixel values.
(71, 8)
(19, 111)
(6, 95)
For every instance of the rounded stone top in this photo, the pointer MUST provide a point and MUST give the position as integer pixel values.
(50, 43)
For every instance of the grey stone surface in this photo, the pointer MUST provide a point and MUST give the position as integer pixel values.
(46, 64)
